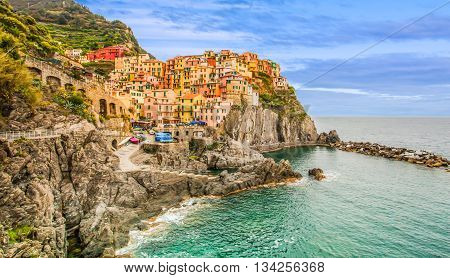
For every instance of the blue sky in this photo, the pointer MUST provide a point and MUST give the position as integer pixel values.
(407, 75)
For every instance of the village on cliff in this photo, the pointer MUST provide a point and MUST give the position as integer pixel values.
(197, 88)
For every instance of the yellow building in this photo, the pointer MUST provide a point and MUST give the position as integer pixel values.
(137, 99)
(243, 69)
(154, 67)
(236, 89)
(190, 107)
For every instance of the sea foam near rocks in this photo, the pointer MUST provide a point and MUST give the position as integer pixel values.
(158, 227)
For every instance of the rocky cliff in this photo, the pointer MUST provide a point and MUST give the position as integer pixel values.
(260, 126)
(64, 196)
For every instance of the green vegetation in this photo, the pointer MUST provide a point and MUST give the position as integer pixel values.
(284, 102)
(103, 68)
(264, 84)
(21, 34)
(75, 102)
(214, 146)
(15, 79)
(19, 234)
(194, 158)
(75, 26)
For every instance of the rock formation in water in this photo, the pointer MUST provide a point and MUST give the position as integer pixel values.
(331, 138)
(259, 126)
(317, 174)
(416, 157)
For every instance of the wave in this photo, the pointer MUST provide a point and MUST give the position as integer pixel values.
(158, 227)
(331, 176)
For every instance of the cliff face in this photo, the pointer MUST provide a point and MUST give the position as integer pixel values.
(258, 126)
(64, 196)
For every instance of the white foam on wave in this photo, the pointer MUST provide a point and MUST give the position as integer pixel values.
(159, 225)
(302, 182)
(176, 215)
(331, 176)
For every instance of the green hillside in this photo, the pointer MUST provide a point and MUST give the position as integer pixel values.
(75, 26)
(21, 34)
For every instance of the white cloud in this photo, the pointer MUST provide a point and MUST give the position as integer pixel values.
(337, 90)
(359, 92)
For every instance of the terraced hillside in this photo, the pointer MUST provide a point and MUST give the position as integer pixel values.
(75, 26)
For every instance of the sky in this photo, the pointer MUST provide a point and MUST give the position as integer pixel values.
(407, 75)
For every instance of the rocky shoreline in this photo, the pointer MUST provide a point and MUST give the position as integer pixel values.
(65, 197)
(424, 158)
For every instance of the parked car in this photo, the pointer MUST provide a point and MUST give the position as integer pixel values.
(163, 137)
(201, 123)
(134, 140)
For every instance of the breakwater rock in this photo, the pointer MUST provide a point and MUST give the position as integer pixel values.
(317, 173)
(402, 154)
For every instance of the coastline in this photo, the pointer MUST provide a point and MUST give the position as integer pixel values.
(424, 158)
(147, 224)
(280, 146)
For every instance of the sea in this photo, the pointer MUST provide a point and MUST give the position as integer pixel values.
(367, 207)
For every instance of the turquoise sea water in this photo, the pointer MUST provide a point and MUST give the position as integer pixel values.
(367, 207)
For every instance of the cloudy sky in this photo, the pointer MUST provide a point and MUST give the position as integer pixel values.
(407, 75)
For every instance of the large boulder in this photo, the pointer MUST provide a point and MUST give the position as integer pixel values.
(317, 173)
(331, 138)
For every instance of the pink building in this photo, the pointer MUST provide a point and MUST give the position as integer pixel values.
(161, 107)
(215, 111)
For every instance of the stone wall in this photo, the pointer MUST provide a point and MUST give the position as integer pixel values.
(101, 101)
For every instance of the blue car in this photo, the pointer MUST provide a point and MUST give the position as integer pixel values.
(163, 137)
(200, 123)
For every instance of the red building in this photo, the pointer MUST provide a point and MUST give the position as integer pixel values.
(108, 53)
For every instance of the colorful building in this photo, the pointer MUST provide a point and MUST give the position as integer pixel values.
(280, 83)
(161, 107)
(197, 87)
(215, 111)
(234, 88)
(190, 107)
(108, 53)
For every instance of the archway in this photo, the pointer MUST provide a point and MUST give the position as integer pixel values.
(103, 108)
(112, 108)
(37, 73)
(82, 92)
(53, 82)
(69, 87)
(114, 144)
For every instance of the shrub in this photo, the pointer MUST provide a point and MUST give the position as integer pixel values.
(75, 102)
(19, 234)
(214, 146)
(16, 79)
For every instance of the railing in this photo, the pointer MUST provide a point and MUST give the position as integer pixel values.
(30, 134)
(49, 133)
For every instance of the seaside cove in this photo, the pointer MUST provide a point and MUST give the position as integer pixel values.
(366, 207)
